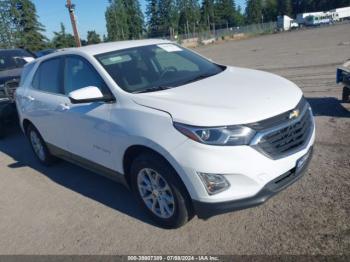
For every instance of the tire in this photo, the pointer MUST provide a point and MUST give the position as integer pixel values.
(346, 94)
(171, 202)
(39, 147)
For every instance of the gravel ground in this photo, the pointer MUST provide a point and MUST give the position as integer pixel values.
(68, 210)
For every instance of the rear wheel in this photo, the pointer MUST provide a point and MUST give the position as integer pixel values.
(160, 192)
(346, 94)
(39, 147)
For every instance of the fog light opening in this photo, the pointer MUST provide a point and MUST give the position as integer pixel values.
(214, 183)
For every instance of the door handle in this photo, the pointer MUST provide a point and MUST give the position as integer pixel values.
(64, 107)
(30, 98)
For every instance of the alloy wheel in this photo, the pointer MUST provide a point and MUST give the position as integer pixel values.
(156, 193)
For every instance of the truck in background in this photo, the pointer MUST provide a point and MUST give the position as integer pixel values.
(340, 14)
(314, 18)
(285, 23)
(301, 18)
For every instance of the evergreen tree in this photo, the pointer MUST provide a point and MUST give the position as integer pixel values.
(270, 10)
(62, 39)
(134, 18)
(7, 38)
(167, 16)
(189, 16)
(254, 11)
(153, 24)
(207, 14)
(240, 20)
(117, 21)
(20, 26)
(93, 37)
(284, 7)
(225, 13)
(124, 20)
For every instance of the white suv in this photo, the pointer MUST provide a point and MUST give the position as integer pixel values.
(187, 135)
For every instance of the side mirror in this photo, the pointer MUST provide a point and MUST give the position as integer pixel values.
(86, 95)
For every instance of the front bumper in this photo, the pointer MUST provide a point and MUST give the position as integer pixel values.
(206, 210)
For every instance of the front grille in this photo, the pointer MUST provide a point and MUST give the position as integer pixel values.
(10, 88)
(288, 138)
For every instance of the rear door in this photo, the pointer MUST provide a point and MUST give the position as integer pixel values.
(46, 103)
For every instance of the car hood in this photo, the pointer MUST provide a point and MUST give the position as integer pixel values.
(235, 96)
(7, 75)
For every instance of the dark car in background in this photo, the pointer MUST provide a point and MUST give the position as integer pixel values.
(11, 64)
(343, 77)
(45, 52)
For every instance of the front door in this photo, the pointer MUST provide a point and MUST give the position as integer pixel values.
(87, 126)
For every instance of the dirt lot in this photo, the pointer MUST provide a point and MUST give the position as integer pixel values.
(68, 210)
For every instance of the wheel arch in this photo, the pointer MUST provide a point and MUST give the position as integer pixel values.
(135, 150)
(25, 124)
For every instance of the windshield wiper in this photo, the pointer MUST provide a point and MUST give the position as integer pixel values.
(198, 77)
(152, 89)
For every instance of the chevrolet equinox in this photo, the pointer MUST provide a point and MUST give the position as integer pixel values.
(188, 136)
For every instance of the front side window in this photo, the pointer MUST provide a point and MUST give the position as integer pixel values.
(48, 77)
(154, 67)
(25, 72)
(78, 73)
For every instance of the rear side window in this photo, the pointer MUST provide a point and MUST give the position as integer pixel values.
(48, 77)
(79, 73)
(25, 72)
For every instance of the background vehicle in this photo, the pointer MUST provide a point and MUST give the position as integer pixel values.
(11, 63)
(343, 77)
(45, 52)
(340, 14)
(315, 20)
(178, 129)
(286, 23)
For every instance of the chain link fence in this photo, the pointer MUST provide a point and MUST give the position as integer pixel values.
(210, 36)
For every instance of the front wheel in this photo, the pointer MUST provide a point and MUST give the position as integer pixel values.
(159, 191)
(346, 94)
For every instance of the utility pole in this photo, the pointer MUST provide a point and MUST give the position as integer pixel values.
(70, 8)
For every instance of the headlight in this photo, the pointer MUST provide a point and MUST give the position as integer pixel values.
(214, 183)
(222, 136)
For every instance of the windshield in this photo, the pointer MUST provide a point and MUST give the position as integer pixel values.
(10, 59)
(156, 67)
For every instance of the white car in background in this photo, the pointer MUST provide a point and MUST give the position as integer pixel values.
(187, 135)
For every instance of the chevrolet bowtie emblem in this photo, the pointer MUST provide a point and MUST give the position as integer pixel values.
(294, 114)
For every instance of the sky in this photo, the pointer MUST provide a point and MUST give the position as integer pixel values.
(90, 15)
